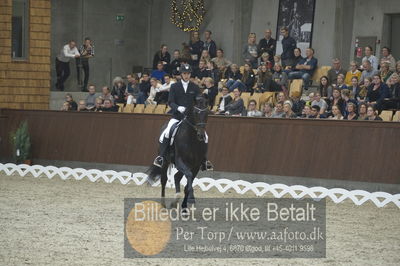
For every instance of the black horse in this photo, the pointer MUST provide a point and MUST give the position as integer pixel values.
(188, 151)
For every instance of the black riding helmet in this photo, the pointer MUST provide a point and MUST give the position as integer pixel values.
(185, 68)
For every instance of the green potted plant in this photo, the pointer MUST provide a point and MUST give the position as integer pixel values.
(22, 144)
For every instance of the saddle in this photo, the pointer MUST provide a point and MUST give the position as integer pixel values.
(173, 131)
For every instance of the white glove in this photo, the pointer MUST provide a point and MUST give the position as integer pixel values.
(181, 109)
(157, 90)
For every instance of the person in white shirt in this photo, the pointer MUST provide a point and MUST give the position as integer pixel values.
(370, 57)
(68, 52)
(163, 91)
(155, 86)
(320, 102)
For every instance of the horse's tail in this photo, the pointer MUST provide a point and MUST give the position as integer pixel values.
(153, 174)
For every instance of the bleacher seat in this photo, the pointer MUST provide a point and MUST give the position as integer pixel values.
(120, 107)
(139, 108)
(160, 109)
(386, 116)
(150, 109)
(396, 117)
(128, 108)
(296, 86)
(267, 97)
(256, 97)
(319, 72)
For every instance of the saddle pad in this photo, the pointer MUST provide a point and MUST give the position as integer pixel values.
(174, 130)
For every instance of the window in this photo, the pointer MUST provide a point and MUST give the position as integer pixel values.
(20, 11)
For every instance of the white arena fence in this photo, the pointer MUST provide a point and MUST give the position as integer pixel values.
(337, 195)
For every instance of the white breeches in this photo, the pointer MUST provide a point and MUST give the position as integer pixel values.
(167, 130)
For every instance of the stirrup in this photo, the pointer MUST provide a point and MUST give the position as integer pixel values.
(207, 166)
(158, 161)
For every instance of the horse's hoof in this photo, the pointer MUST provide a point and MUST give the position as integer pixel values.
(178, 195)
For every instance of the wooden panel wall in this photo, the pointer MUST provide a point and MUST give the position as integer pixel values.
(344, 150)
(26, 84)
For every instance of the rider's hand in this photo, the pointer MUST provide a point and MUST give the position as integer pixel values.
(181, 109)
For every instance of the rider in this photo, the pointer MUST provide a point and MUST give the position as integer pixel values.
(181, 97)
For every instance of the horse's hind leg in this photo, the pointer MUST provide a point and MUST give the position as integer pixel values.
(164, 179)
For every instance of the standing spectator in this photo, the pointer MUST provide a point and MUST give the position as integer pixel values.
(368, 71)
(371, 58)
(235, 107)
(335, 71)
(385, 72)
(209, 44)
(221, 62)
(176, 63)
(362, 111)
(224, 101)
(267, 44)
(252, 109)
(353, 72)
(86, 52)
(288, 46)
(372, 114)
(144, 87)
(162, 56)
(305, 69)
(62, 63)
(91, 98)
(82, 106)
(250, 53)
(70, 100)
(106, 94)
(159, 73)
(325, 89)
(387, 57)
(118, 90)
(196, 47)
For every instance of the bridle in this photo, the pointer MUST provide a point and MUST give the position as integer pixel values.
(197, 126)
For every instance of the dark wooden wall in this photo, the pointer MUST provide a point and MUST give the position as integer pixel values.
(357, 151)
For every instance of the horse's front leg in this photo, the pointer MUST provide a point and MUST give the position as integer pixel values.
(164, 179)
(189, 198)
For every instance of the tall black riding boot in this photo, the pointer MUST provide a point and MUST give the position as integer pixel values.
(159, 161)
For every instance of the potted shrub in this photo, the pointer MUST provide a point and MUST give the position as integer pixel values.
(22, 144)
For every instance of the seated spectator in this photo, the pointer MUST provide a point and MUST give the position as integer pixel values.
(369, 56)
(315, 113)
(355, 88)
(236, 106)
(346, 96)
(310, 98)
(353, 72)
(159, 73)
(287, 109)
(154, 89)
(336, 100)
(368, 71)
(250, 51)
(340, 82)
(372, 114)
(209, 44)
(277, 59)
(297, 103)
(210, 90)
(65, 107)
(214, 72)
(106, 94)
(279, 80)
(133, 89)
(91, 98)
(232, 75)
(265, 60)
(248, 79)
(82, 106)
(162, 92)
(351, 112)
(388, 58)
(394, 88)
(109, 107)
(397, 68)
(118, 90)
(201, 72)
(264, 77)
(281, 97)
(196, 47)
(377, 92)
(278, 112)
(362, 111)
(221, 62)
(205, 56)
(72, 103)
(325, 89)
(306, 113)
(224, 101)
(163, 57)
(334, 72)
(323, 106)
(384, 72)
(144, 87)
(252, 109)
(305, 69)
(176, 63)
(362, 95)
(336, 114)
(99, 105)
(268, 110)
(296, 61)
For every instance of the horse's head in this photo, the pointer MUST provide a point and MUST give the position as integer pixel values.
(200, 116)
